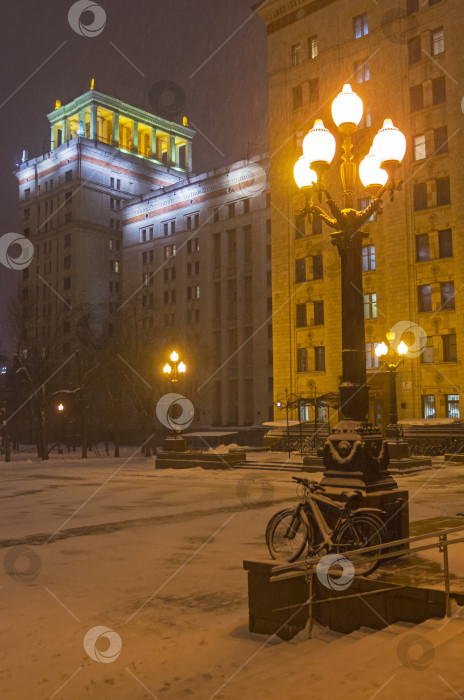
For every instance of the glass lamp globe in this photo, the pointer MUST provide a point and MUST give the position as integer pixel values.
(304, 176)
(390, 144)
(347, 108)
(181, 367)
(381, 350)
(174, 356)
(402, 348)
(370, 172)
(319, 146)
(167, 369)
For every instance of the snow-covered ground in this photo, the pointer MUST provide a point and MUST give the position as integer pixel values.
(156, 556)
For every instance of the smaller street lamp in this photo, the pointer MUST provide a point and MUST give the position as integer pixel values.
(174, 369)
(60, 409)
(392, 357)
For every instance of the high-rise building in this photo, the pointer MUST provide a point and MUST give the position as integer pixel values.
(404, 60)
(115, 215)
(103, 154)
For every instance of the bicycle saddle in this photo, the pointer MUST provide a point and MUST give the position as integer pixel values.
(349, 495)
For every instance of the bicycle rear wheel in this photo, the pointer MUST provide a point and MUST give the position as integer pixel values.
(287, 536)
(362, 530)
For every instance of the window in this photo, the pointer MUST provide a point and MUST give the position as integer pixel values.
(216, 215)
(300, 270)
(169, 251)
(26, 232)
(246, 206)
(166, 297)
(313, 89)
(440, 140)
(196, 291)
(447, 295)
(297, 97)
(313, 47)
(268, 226)
(443, 191)
(67, 240)
(445, 243)
(368, 257)
(419, 147)
(231, 210)
(114, 266)
(362, 72)
(67, 283)
(173, 295)
(428, 406)
(420, 196)
(301, 315)
(416, 97)
(68, 176)
(268, 278)
(370, 305)
(118, 184)
(318, 271)
(27, 214)
(439, 90)
(422, 247)
(319, 359)
(372, 360)
(302, 360)
(452, 406)
(360, 26)
(27, 194)
(67, 262)
(300, 226)
(428, 354)
(363, 204)
(414, 50)
(296, 54)
(438, 41)
(412, 6)
(146, 278)
(318, 313)
(425, 297)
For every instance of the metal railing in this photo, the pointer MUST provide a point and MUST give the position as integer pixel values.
(401, 547)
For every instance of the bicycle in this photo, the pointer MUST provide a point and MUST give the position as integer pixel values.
(293, 530)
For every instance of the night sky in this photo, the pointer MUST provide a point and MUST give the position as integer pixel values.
(214, 51)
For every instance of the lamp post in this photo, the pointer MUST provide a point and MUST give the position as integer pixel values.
(355, 453)
(60, 409)
(392, 358)
(173, 371)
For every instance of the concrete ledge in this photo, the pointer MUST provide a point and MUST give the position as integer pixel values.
(458, 458)
(206, 460)
(398, 604)
(314, 464)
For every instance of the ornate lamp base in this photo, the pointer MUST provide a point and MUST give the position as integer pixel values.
(356, 456)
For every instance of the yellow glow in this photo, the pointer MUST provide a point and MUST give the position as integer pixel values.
(185, 121)
(390, 143)
(167, 369)
(390, 336)
(92, 84)
(304, 176)
(381, 350)
(58, 104)
(174, 356)
(182, 368)
(402, 348)
(319, 144)
(370, 172)
(60, 407)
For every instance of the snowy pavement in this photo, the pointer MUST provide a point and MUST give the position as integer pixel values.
(156, 556)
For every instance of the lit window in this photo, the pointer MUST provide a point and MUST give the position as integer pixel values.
(362, 72)
(370, 305)
(368, 255)
(319, 359)
(302, 360)
(313, 47)
(360, 26)
(419, 147)
(428, 406)
(452, 406)
(296, 54)
(372, 360)
(438, 42)
(422, 247)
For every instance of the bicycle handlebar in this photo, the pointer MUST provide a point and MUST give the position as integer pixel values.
(310, 484)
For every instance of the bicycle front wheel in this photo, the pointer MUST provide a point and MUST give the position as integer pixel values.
(357, 533)
(287, 535)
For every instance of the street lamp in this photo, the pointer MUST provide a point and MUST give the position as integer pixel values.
(355, 450)
(60, 409)
(176, 368)
(392, 358)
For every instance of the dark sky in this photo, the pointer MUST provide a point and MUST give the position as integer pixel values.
(144, 42)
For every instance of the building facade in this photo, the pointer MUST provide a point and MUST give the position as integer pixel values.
(115, 215)
(403, 60)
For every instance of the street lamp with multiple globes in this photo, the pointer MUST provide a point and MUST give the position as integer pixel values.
(392, 358)
(175, 369)
(355, 453)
